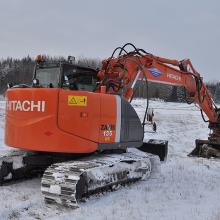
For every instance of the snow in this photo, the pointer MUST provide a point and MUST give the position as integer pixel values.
(2, 124)
(107, 173)
(71, 177)
(187, 188)
(55, 189)
(17, 163)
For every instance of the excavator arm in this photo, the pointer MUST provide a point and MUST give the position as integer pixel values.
(119, 76)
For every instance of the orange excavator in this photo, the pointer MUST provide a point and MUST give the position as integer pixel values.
(76, 125)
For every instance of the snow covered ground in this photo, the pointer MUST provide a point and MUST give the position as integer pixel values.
(187, 188)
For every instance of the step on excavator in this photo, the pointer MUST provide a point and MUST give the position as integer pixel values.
(76, 125)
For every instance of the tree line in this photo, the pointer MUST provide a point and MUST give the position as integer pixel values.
(18, 71)
(171, 93)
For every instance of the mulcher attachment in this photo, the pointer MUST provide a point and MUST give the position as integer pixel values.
(64, 184)
(206, 149)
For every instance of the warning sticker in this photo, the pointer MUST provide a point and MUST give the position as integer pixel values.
(77, 100)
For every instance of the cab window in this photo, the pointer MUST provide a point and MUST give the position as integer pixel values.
(79, 78)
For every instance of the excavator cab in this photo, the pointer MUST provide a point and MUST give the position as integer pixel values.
(64, 75)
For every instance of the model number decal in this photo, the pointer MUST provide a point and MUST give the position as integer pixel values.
(107, 133)
(107, 127)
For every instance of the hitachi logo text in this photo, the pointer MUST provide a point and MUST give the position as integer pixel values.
(173, 76)
(26, 106)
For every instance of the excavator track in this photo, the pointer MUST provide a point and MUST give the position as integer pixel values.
(67, 183)
(18, 165)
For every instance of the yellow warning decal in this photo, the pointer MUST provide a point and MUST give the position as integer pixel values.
(77, 100)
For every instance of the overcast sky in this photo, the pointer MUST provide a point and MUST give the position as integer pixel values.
(93, 28)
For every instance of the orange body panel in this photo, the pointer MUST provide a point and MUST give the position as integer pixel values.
(58, 120)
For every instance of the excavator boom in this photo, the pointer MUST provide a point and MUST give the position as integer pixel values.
(120, 74)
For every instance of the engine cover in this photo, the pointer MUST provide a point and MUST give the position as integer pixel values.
(67, 121)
